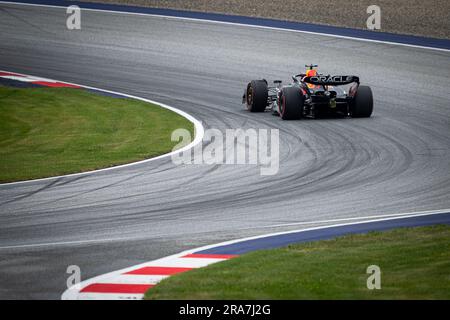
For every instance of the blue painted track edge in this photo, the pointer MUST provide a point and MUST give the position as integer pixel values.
(277, 241)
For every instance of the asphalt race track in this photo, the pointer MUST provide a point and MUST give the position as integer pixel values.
(396, 161)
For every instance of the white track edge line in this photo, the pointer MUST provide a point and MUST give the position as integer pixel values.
(198, 131)
(236, 24)
(93, 241)
(72, 292)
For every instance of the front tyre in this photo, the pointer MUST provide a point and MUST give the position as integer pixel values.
(256, 96)
(291, 103)
(362, 105)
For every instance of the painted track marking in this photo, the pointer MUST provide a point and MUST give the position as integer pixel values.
(184, 261)
(372, 218)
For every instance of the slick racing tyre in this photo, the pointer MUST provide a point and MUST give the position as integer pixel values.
(256, 96)
(291, 103)
(362, 105)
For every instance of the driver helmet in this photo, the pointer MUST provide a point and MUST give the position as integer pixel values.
(311, 73)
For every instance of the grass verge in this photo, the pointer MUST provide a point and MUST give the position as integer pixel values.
(53, 131)
(414, 262)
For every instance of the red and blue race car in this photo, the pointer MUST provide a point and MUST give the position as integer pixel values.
(310, 95)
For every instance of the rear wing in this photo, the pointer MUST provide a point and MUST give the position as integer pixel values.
(331, 80)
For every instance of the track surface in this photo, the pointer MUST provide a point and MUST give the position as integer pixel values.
(397, 161)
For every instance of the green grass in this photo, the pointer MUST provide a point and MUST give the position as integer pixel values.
(52, 131)
(414, 262)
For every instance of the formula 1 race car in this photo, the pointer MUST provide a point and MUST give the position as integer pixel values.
(310, 95)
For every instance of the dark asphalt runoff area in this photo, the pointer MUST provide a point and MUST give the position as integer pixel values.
(397, 161)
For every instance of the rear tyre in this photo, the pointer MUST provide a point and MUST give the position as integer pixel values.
(362, 105)
(291, 104)
(257, 93)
